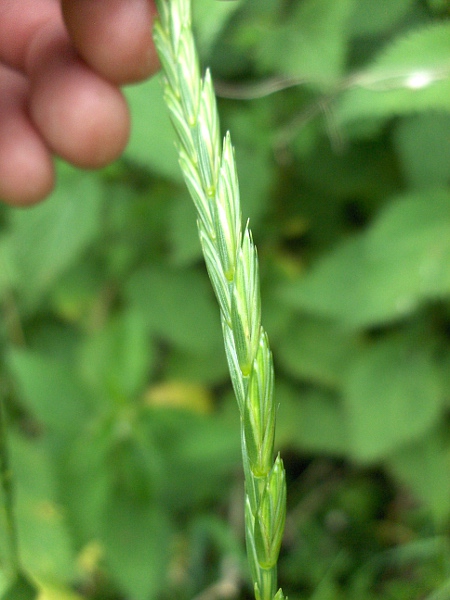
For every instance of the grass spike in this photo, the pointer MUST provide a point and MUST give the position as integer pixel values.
(210, 173)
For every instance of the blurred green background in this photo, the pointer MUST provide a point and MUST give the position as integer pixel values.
(123, 433)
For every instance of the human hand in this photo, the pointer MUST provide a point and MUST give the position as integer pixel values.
(59, 77)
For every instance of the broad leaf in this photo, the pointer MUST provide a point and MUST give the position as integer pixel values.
(210, 18)
(392, 396)
(313, 421)
(424, 466)
(47, 239)
(410, 75)
(44, 542)
(50, 390)
(385, 274)
(372, 18)
(118, 359)
(178, 306)
(316, 350)
(423, 146)
(137, 537)
(312, 45)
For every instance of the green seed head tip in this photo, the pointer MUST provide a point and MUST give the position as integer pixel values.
(279, 595)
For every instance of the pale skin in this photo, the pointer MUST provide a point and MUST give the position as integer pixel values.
(62, 63)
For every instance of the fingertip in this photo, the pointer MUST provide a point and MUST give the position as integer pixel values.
(27, 176)
(26, 166)
(114, 37)
(83, 118)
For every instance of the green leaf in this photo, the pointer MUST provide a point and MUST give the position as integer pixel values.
(137, 539)
(21, 589)
(424, 466)
(198, 366)
(114, 453)
(44, 542)
(364, 170)
(384, 274)
(316, 350)
(412, 236)
(48, 238)
(85, 480)
(423, 146)
(118, 358)
(313, 421)
(77, 291)
(177, 305)
(201, 451)
(151, 142)
(391, 397)
(327, 589)
(50, 390)
(340, 286)
(412, 74)
(372, 18)
(210, 17)
(312, 44)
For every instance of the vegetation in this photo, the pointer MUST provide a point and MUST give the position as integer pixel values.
(122, 426)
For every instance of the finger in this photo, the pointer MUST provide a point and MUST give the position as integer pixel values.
(82, 117)
(114, 37)
(26, 169)
(20, 20)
